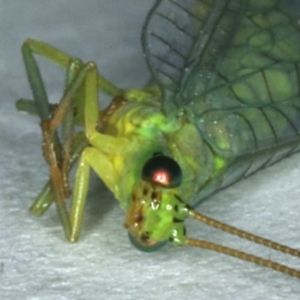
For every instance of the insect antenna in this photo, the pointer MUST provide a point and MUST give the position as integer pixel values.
(239, 254)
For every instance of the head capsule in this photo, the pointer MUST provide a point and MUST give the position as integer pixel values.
(156, 212)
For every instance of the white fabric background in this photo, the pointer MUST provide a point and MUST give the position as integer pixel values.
(36, 262)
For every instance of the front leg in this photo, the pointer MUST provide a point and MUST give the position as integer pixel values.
(90, 157)
(60, 152)
(96, 156)
(84, 82)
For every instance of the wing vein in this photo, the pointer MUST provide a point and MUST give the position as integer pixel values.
(251, 128)
(187, 11)
(168, 44)
(181, 29)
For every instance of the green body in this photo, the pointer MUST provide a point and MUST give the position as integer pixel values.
(225, 103)
(144, 124)
(238, 108)
(232, 102)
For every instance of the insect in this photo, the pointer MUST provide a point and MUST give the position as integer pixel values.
(223, 103)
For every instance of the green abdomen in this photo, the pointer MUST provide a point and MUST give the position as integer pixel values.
(243, 166)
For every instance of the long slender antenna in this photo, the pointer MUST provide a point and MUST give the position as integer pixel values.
(244, 234)
(239, 254)
(244, 256)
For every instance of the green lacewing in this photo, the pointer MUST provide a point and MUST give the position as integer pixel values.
(223, 103)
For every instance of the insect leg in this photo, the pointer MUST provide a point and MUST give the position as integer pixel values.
(91, 156)
(59, 161)
(52, 145)
(41, 106)
(28, 106)
(57, 154)
(95, 156)
(71, 110)
(36, 83)
(106, 143)
(46, 196)
(84, 83)
(63, 60)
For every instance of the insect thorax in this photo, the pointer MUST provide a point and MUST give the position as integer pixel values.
(146, 131)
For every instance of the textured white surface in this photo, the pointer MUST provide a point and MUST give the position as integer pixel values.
(36, 262)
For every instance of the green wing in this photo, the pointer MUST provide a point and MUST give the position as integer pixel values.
(233, 66)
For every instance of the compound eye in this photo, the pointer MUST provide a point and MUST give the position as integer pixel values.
(162, 170)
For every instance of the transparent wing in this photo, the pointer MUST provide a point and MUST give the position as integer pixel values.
(181, 35)
(239, 79)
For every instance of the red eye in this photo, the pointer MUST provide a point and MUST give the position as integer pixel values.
(161, 177)
(162, 170)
